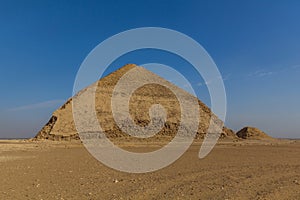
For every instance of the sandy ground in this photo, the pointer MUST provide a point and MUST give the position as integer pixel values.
(239, 170)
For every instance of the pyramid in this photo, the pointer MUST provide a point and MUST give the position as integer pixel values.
(61, 125)
(252, 133)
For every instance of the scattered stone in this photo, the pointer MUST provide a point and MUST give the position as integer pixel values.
(116, 181)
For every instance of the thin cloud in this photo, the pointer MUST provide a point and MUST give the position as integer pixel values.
(295, 67)
(224, 78)
(199, 84)
(202, 84)
(45, 104)
(265, 74)
(262, 73)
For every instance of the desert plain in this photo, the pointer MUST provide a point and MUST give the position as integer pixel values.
(240, 169)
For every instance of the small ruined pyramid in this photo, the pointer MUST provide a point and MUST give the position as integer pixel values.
(61, 125)
(253, 133)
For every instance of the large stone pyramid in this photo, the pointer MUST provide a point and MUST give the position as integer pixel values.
(61, 125)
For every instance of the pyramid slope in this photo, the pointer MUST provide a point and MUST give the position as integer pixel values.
(61, 125)
(252, 133)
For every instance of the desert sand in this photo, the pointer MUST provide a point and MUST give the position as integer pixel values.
(244, 169)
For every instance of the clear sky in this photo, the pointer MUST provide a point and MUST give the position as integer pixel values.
(255, 44)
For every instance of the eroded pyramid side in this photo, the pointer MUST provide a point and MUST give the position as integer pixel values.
(61, 125)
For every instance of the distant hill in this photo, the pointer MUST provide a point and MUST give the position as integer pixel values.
(252, 133)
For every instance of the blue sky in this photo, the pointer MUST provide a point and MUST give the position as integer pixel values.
(255, 44)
